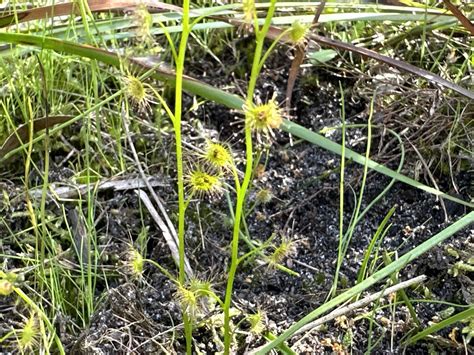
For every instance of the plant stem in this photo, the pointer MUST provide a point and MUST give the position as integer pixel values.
(340, 255)
(179, 162)
(242, 192)
(177, 129)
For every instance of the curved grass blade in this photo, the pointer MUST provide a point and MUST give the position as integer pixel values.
(211, 93)
(21, 134)
(443, 324)
(379, 234)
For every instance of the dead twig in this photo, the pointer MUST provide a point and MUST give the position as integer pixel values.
(168, 230)
(361, 303)
(459, 15)
(300, 52)
(73, 191)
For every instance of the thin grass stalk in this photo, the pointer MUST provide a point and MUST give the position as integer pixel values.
(44, 229)
(39, 241)
(346, 238)
(357, 218)
(84, 10)
(87, 281)
(242, 191)
(394, 277)
(178, 141)
(92, 255)
(179, 162)
(341, 193)
(379, 233)
(44, 189)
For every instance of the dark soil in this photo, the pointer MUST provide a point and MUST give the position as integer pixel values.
(145, 316)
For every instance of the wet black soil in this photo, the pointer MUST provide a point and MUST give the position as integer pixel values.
(144, 316)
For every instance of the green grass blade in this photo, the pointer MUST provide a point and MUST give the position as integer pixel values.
(443, 324)
(379, 232)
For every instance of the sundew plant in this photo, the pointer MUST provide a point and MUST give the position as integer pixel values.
(138, 186)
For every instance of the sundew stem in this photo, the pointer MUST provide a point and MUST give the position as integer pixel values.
(242, 191)
(179, 161)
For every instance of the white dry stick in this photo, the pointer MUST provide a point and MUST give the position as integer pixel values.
(164, 229)
(168, 230)
(143, 176)
(361, 303)
(73, 191)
